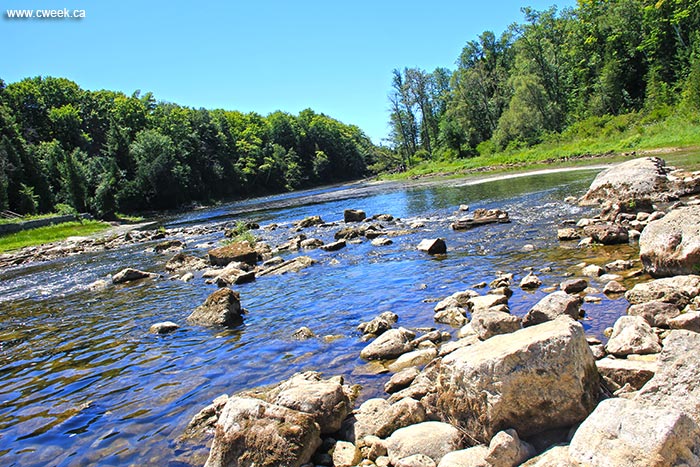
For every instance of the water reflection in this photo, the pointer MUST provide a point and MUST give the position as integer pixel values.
(83, 383)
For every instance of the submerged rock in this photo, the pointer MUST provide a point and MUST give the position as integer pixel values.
(165, 327)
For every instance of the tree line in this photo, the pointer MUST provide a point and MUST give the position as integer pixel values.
(554, 70)
(105, 152)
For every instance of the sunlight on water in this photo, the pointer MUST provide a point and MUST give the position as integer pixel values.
(83, 383)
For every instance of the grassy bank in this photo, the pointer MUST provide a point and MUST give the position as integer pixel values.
(51, 233)
(616, 137)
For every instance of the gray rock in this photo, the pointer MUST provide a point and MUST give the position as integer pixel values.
(165, 327)
(348, 233)
(454, 316)
(486, 302)
(657, 314)
(592, 270)
(382, 241)
(221, 308)
(637, 179)
(552, 360)
(308, 222)
(434, 246)
(552, 306)
(671, 246)
(487, 324)
(457, 299)
(413, 359)
(390, 344)
(311, 243)
(432, 439)
(251, 432)
(131, 275)
(678, 290)
(558, 456)
(632, 335)
(182, 262)
(630, 433)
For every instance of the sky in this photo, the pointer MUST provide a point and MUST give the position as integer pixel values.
(256, 56)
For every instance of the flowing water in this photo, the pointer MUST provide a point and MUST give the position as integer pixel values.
(82, 382)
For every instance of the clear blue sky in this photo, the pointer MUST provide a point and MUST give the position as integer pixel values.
(334, 57)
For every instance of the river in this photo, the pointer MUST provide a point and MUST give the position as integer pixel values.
(82, 382)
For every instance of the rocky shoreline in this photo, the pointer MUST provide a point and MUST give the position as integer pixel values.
(534, 391)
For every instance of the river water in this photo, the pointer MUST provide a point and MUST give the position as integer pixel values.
(82, 382)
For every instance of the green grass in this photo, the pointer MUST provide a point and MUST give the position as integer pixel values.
(614, 136)
(48, 234)
(129, 219)
(28, 218)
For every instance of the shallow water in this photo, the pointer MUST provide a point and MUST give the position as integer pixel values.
(83, 383)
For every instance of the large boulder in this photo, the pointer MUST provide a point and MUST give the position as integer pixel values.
(671, 245)
(326, 400)
(237, 251)
(390, 344)
(644, 178)
(251, 432)
(535, 379)
(630, 433)
(632, 335)
(552, 306)
(432, 439)
(222, 308)
(679, 290)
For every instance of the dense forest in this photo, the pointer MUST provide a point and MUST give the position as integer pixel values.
(63, 147)
(569, 70)
(66, 148)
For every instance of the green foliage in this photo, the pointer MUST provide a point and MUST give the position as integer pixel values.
(65, 210)
(28, 201)
(104, 151)
(557, 75)
(240, 233)
(51, 233)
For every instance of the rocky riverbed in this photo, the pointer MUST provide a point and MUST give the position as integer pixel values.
(509, 391)
(427, 345)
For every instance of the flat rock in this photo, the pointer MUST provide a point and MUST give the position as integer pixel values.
(237, 251)
(636, 373)
(689, 321)
(671, 245)
(568, 234)
(335, 246)
(414, 358)
(574, 285)
(292, 265)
